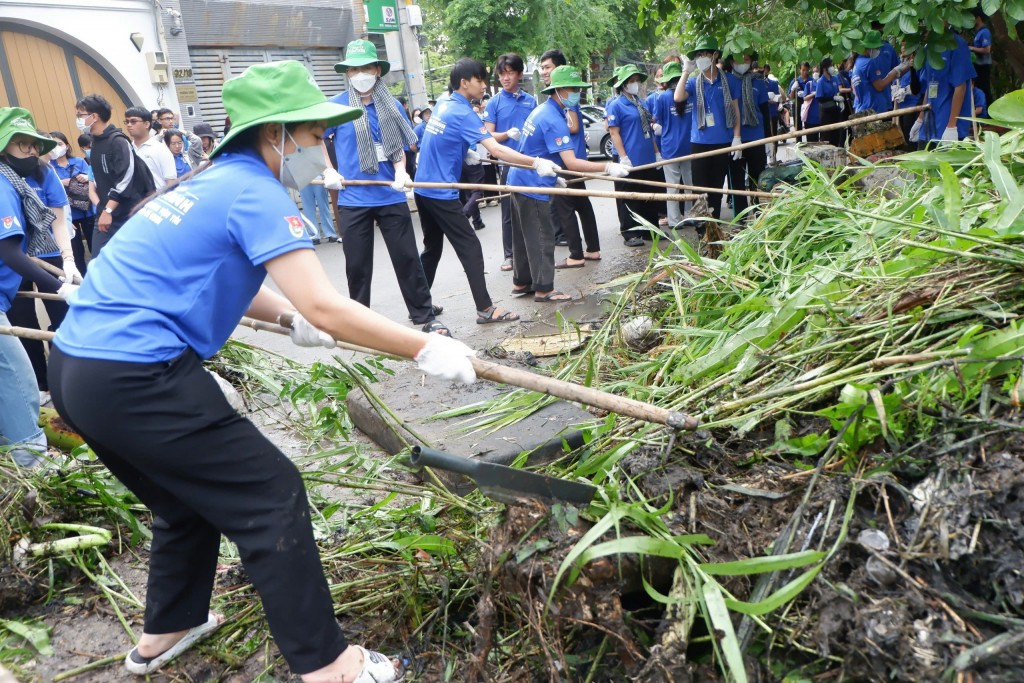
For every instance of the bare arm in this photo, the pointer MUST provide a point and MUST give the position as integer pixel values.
(60, 231)
(613, 131)
(505, 154)
(680, 94)
(574, 163)
(736, 115)
(499, 137)
(573, 120)
(958, 104)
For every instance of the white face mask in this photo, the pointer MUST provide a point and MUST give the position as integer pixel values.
(833, 70)
(80, 123)
(362, 82)
(741, 69)
(874, 52)
(302, 166)
(703, 63)
(58, 151)
(632, 88)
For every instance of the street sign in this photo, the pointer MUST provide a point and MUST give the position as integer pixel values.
(380, 15)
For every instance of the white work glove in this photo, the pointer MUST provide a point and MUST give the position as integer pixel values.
(689, 66)
(657, 128)
(560, 182)
(513, 133)
(66, 290)
(658, 157)
(950, 135)
(304, 334)
(915, 131)
(333, 180)
(625, 163)
(446, 358)
(616, 170)
(472, 158)
(738, 154)
(401, 179)
(71, 273)
(840, 102)
(545, 168)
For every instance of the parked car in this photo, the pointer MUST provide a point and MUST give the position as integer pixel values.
(599, 143)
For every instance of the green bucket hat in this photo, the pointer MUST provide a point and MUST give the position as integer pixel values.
(278, 92)
(566, 76)
(361, 53)
(872, 39)
(704, 44)
(14, 121)
(623, 74)
(615, 76)
(670, 70)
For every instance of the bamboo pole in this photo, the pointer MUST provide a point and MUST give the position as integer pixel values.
(558, 191)
(785, 136)
(39, 295)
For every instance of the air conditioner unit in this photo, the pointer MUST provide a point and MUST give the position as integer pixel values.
(157, 63)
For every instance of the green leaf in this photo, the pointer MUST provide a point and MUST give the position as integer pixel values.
(778, 598)
(38, 636)
(761, 565)
(807, 445)
(990, 7)
(951, 194)
(721, 623)
(1001, 176)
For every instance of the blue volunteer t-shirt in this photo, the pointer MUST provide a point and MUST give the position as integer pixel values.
(346, 150)
(545, 134)
(420, 127)
(983, 38)
(453, 128)
(772, 86)
(506, 110)
(956, 70)
(813, 111)
(185, 268)
(12, 225)
(910, 100)
(715, 132)
(52, 194)
(624, 114)
(756, 132)
(675, 129)
(76, 166)
(888, 59)
(865, 72)
(579, 138)
(979, 101)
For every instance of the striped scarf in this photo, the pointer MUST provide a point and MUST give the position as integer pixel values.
(38, 217)
(748, 103)
(646, 120)
(730, 116)
(395, 132)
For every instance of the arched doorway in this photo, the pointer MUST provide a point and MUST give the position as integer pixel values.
(47, 75)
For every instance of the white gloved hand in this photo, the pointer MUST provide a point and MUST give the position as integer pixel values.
(625, 162)
(333, 180)
(71, 273)
(401, 179)
(658, 157)
(915, 131)
(66, 290)
(472, 158)
(950, 135)
(513, 133)
(657, 128)
(304, 334)
(482, 151)
(446, 358)
(560, 182)
(738, 154)
(689, 66)
(616, 170)
(545, 168)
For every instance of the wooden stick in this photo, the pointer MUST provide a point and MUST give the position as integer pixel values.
(639, 196)
(785, 136)
(39, 295)
(26, 333)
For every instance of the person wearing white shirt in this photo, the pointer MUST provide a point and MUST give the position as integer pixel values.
(150, 149)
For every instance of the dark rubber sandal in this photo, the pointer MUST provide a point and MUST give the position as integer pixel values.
(564, 263)
(520, 292)
(488, 316)
(436, 327)
(436, 310)
(591, 258)
(553, 297)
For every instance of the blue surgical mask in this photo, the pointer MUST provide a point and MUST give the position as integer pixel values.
(573, 99)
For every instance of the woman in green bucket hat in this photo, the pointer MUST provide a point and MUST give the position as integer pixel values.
(26, 227)
(126, 371)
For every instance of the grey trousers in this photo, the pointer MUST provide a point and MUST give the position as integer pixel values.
(677, 173)
(533, 244)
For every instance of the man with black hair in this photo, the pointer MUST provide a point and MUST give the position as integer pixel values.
(119, 184)
(981, 46)
(504, 118)
(150, 148)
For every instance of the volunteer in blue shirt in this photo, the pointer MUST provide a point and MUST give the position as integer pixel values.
(71, 168)
(503, 118)
(546, 135)
(980, 104)
(675, 121)
(23, 221)
(175, 142)
(631, 127)
(830, 102)
(872, 75)
(981, 48)
(745, 170)
(947, 92)
(771, 124)
(907, 93)
(421, 126)
(453, 129)
(715, 121)
(795, 95)
(810, 115)
(372, 149)
(126, 371)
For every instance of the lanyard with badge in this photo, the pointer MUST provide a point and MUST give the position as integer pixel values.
(709, 116)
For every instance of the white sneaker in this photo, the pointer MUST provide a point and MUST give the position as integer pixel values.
(44, 398)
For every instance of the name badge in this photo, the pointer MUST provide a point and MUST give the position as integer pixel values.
(380, 152)
(933, 90)
(709, 119)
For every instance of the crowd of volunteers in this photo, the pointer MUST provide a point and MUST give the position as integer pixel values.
(165, 237)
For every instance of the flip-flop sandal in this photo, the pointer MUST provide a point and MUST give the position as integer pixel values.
(591, 258)
(377, 668)
(564, 263)
(520, 292)
(553, 297)
(436, 310)
(506, 265)
(487, 317)
(137, 664)
(436, 327)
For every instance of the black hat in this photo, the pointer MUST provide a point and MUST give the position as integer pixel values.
(204, 130)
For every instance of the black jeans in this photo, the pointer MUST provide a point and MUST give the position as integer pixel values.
(646, 210)
(396, 229)
(710, 172)
(750, 165)
(567, 208)
(440, 218)
(23, 314)
(473, 175)
(166, 431)
(506, 215)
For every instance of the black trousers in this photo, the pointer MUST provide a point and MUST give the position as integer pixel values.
(710, 172)
(83, 231)
(506, 215)
(396, 229)
(23, 314)
(440, 218)
(167, 433)
(648, 211)
(410, 163)
(836, 138)
(743, 174)
(473, 175)
(567, 208)
(984, 82)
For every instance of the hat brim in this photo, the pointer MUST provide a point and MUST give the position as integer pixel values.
(665, 78)
(579, 84)
(342, 67)
(330, 112)
(641, 74)
(46, 144)
(872, 47)
(692, 54)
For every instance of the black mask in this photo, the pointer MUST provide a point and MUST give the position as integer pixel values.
(23, 167)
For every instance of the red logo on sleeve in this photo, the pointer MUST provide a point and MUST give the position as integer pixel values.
(295, 225)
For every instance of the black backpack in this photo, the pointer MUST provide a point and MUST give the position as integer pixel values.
(143, 184)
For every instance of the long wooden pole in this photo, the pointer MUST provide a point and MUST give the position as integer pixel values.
(562, 191)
